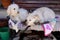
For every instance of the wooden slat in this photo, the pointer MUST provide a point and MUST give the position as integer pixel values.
(33, 4)
(37, 2)
(39, 5)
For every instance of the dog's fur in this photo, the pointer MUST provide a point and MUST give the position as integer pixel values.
(12, 11)
(16, 14)
(23, 13)
(41, 15)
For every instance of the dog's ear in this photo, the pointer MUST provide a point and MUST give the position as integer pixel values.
(8, 10)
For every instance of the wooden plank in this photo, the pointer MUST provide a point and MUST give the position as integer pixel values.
(39, 5)
(37, 2)
(31, 5)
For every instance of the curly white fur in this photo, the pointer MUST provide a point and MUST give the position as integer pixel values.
(41, 14)
(12, 9)
(23, 13)
(16, 14)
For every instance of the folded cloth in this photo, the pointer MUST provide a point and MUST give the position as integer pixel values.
(13, 25)
(47, 29)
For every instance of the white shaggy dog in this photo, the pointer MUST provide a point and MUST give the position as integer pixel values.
(41, 15)
(12, 11)
(16, 16)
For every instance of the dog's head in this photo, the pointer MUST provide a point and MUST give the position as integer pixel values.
(12, 10)
(31, 19)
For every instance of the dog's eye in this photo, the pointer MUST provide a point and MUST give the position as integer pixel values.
(14, 8)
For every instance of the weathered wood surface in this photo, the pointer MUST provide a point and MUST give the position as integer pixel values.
(33, 4)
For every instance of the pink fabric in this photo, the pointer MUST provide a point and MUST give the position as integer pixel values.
(47, 29)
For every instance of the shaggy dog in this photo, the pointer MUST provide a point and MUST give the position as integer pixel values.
(13, 12)
(41, 15)
(17, 15)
